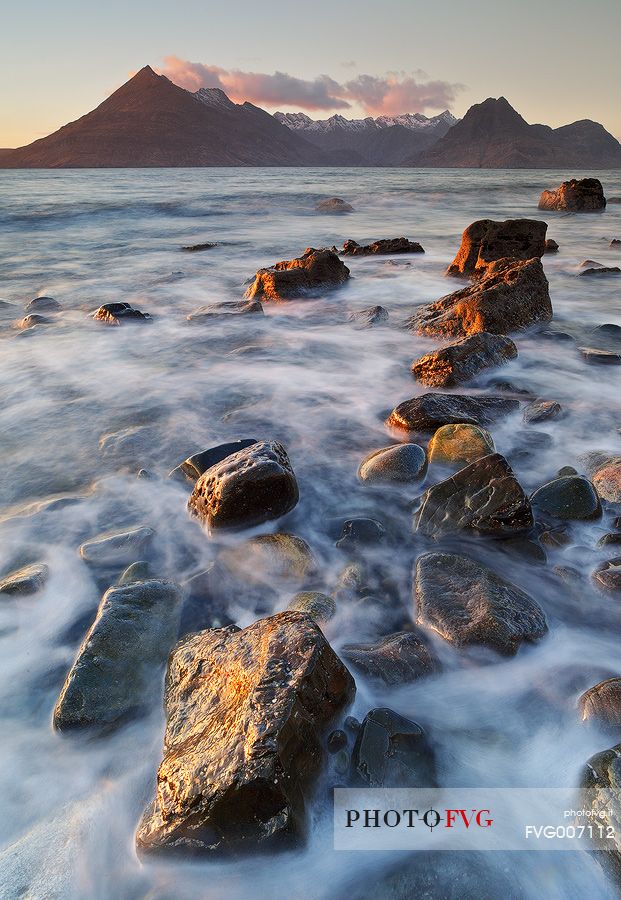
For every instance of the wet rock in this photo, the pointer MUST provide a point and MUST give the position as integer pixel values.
(360, 532)
(601, 270)
(116, 671)
(34, 319)
(193, 467)
(320, 607)
(602, 703)
(508, 296)
(430, 411)
(138, 571)
(577, 195)
(610, 538)
(566, 470)
(484, 496)
(270, 558)
(254, 485)
(542, 410)
(460, 444)
(551, 246)
(128, 444)
(568, 497)
(487, 241)
(24, 581)
(607, 479)
(401, 463)
(590, 263)
(337, 740)
(468, 603)
(600, 796)
(197, 248)
(333, 205)
(463, 359)
(384, 247)
(600, 357)
(226, 310)
(290, 278)
(245, 716)
(42, 304)
(366, 318)
(556, 537)
(117, 547)
(395, 659)
(392, 751)
(607, 576)
(615, 242)
(608, 330)
(119, 313)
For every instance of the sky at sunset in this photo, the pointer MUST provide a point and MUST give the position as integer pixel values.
(555, 62)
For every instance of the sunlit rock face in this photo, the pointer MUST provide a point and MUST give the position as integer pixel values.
(509, 295)
(577, 195)
(486, 241)
(430, 411)
(288, 279)
(463, 359)
(246, 712)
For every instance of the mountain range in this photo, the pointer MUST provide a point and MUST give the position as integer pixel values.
(151, 122)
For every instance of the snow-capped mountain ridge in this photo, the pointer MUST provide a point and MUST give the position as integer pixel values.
(413, 121)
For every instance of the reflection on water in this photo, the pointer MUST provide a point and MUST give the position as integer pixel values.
(85, 407)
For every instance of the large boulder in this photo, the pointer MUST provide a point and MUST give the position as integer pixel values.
(509, 295)
(384, 247)
(292, 277)
(577, 195)
(568, 497)
(395, 659)
(392, 751)
(430, 411)
(468, 603)
(484, 496)
(245, 716)
(117, 668)
(458, 445)
(487, 241)
(249, 487)
(463, 359)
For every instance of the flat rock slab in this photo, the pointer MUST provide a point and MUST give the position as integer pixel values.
(600, 270)
(246, 713)
(509, 295)
(487, 241)
(430, 411)
(384, 247)
(484, 496)
(396, 659)
(24, 581)
(468, 603)
(116, 671)
(463, 359)
(226, 310)
(600, 357)
(249, 487)
(121, 547)
(288, 279)
(392, 751)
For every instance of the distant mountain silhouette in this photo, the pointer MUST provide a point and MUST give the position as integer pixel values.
(493, 135)
(150, 122)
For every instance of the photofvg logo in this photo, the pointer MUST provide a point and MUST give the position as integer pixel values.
(474, 819)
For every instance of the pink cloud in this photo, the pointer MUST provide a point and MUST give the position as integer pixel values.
(377, 95)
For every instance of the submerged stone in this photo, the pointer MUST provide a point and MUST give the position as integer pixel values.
(117, 547)
(395, 659)
(430, 411)
(27, 580)
(392, 751)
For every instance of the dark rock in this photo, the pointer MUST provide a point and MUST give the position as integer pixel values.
(194, 466)
(360, 532)
(566, 470)
(337, 740)
(116, 671)
(568, 497)
(245, 716)
(138, 571)
(600, 796)
(602, 703)
(487, 241)
(352, 724)
(118, 313)
(249, 487)
(551, 246)
(120, 547)
(467, 603)
(608, 329)
(395, 659)
(392, 751)
(401, 463)
(42, 304)
(614, 200)
(290, 278)
(333, 205)
(484, 496)
(589, 263)
(584, 195)
(366, 318)
(612, 537)
(24, 581)
(383, 247)
(463, 359)
(226, 310)
(320, 607)
(460, 444)
(615, 242)
(542, 410)
(196, 248)
(600, 357)
(601, 270)
(508, 296)
(607, 576)
(554, 538)
(430, 411)
(34, 319)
